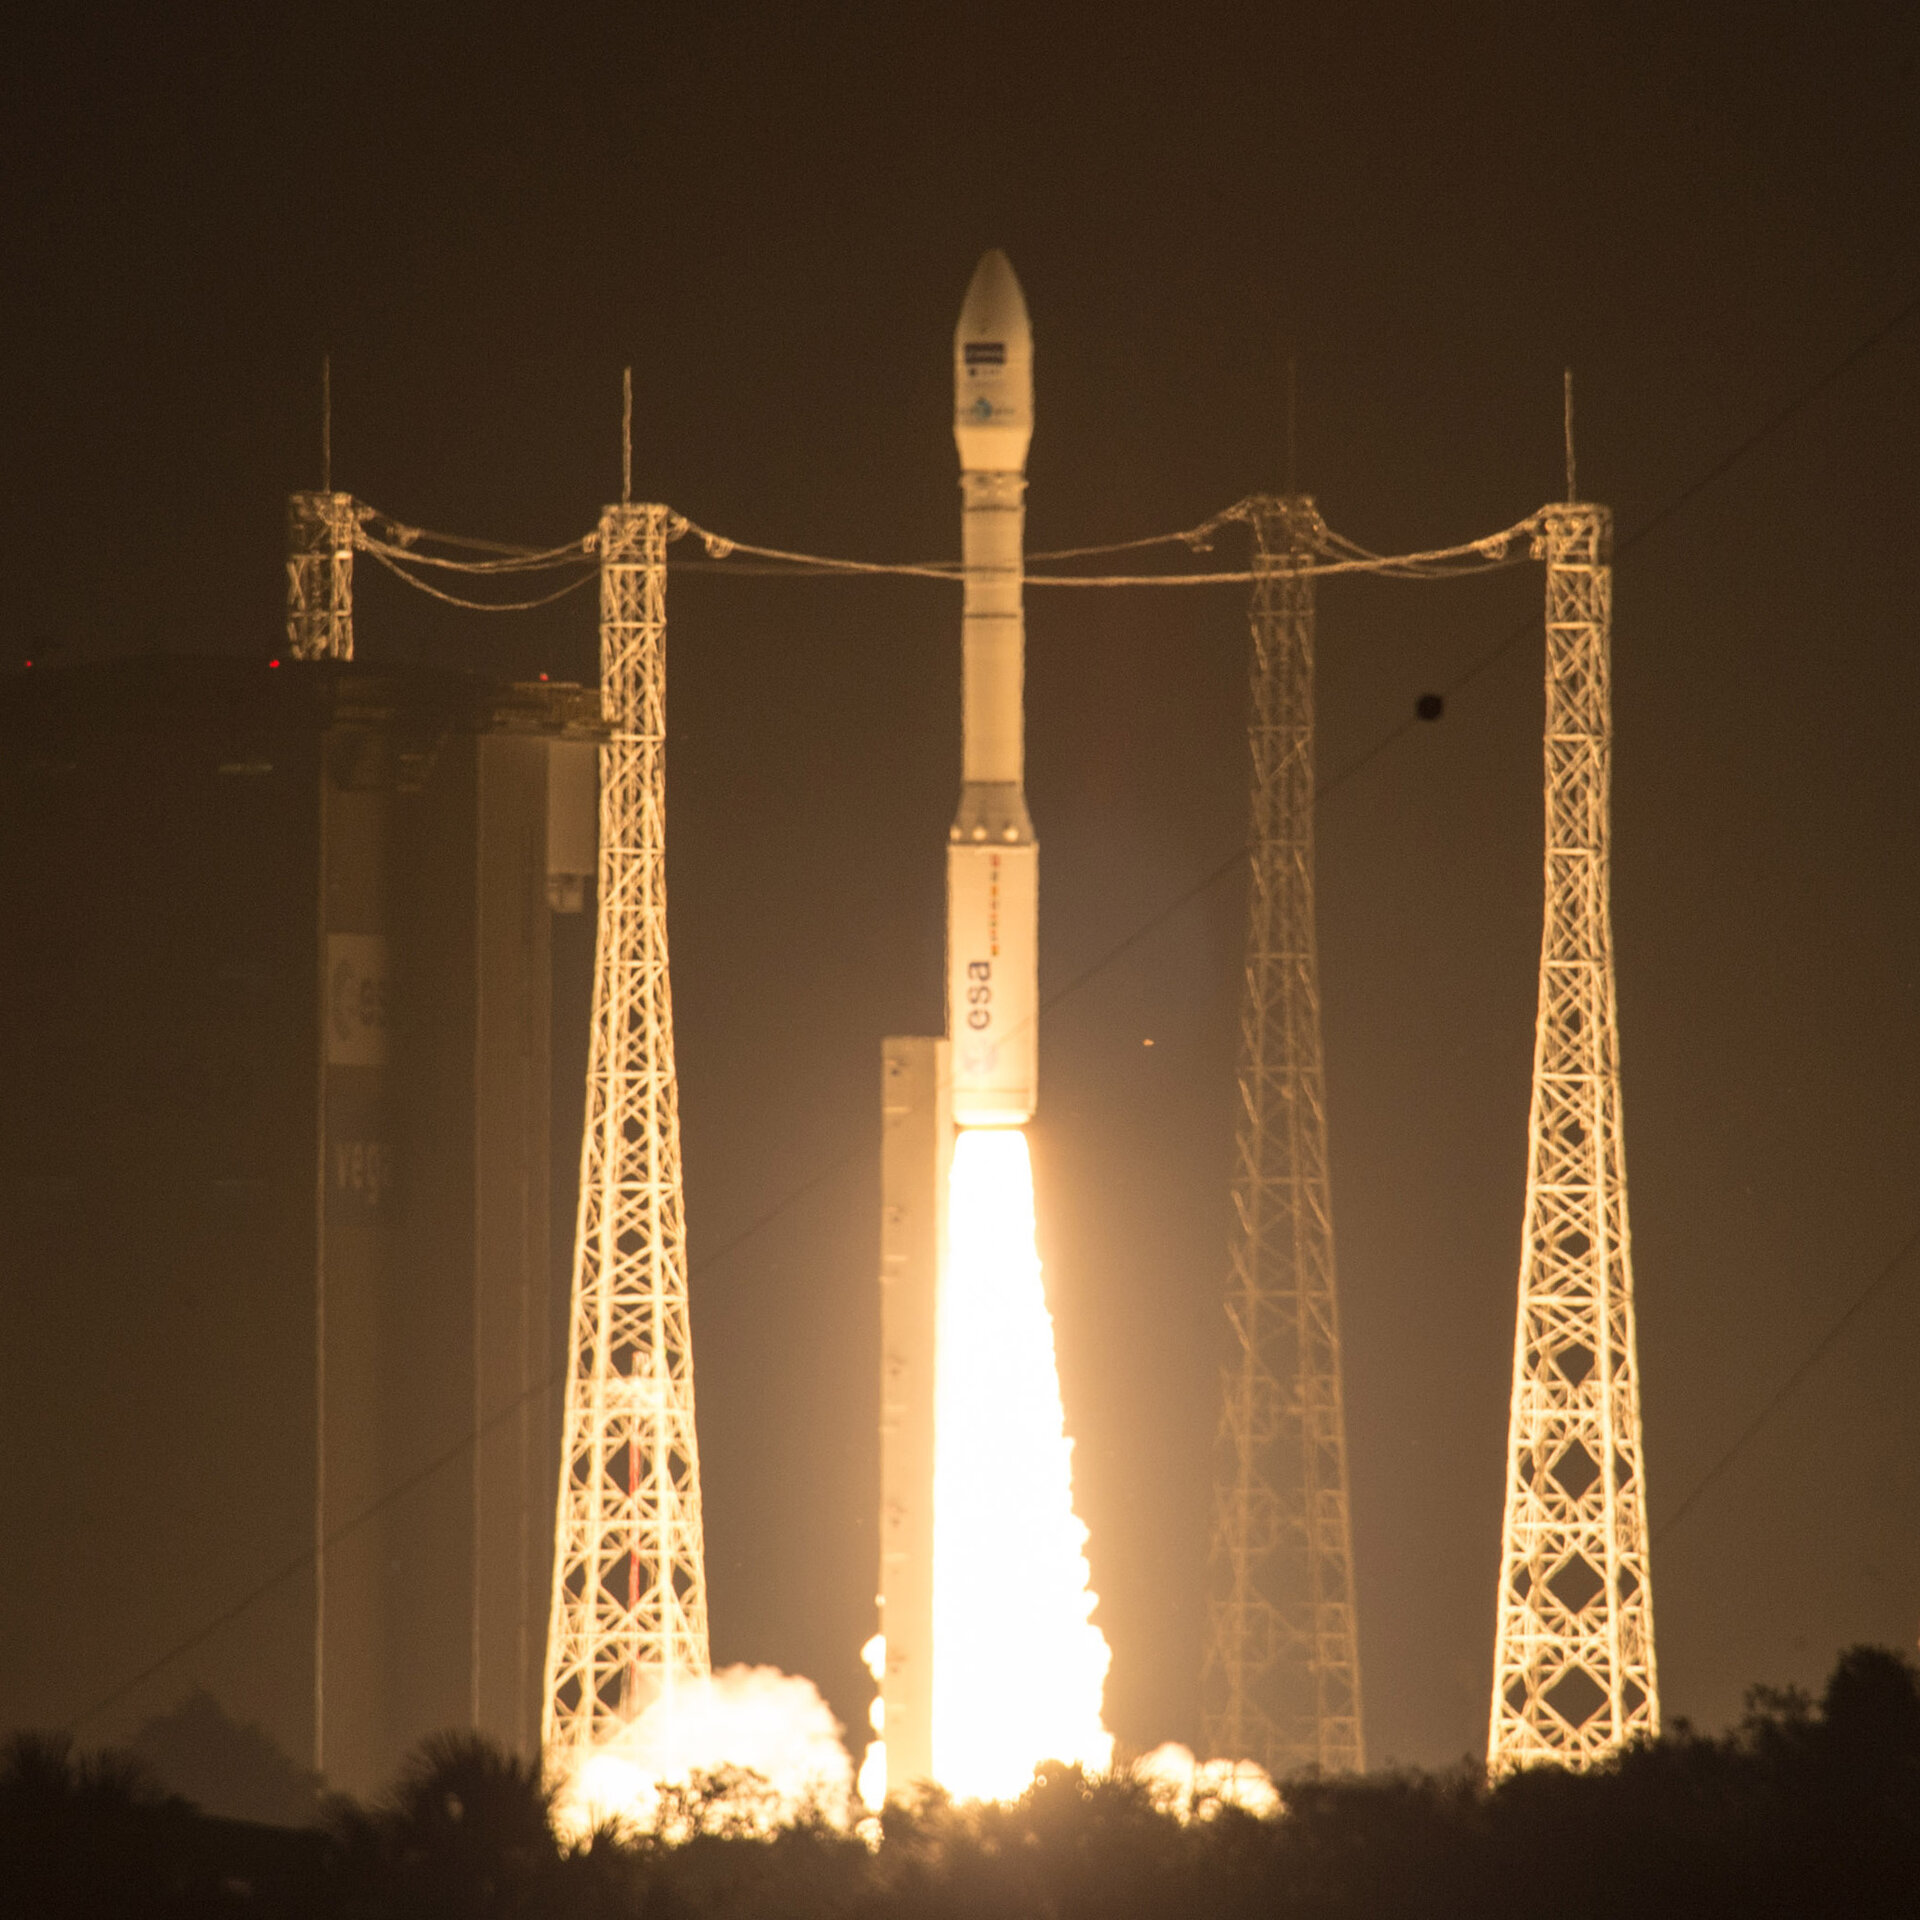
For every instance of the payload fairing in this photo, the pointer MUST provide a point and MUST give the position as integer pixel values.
(993, 860)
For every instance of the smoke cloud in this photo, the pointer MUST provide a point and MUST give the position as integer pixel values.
(749, 1749)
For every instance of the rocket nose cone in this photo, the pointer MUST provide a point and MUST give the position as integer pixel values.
(993, 371)
(995, 308)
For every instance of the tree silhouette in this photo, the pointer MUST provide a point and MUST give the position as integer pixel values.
(467, 1831)
(1806, 1807)
(84, 1835)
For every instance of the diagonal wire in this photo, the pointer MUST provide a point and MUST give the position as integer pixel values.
(833, 1169)
(1789, 1386)
(1795, 405)
(441, 1460)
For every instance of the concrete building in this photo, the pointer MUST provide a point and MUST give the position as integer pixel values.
(286, 1192)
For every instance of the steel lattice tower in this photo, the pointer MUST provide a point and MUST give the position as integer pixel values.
(629, 1618)
(1573, 1674)
(1282, 1674)
(320, 529)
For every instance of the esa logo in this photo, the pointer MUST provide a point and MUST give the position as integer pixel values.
(979, 994)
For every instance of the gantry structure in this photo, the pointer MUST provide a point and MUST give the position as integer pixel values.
(1574, 1671)
(320, 540)
(629, 1618)
(1282, 1669)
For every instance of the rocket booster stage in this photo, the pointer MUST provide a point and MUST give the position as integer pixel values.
(993, 861)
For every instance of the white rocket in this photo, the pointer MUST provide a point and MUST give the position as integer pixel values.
(993, 860)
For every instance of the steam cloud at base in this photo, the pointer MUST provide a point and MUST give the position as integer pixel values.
(743, 1721)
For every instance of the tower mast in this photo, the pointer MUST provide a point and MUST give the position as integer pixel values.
(1282, 1675)
(320, 576)
(320, 529)
(1573, 1675)
(629, 1618)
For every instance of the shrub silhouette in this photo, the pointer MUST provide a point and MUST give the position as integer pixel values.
(466, 1831)
(85, 1835)
(1806, 1807)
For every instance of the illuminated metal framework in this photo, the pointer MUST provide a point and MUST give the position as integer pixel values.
(1573, 1674)
(629, 1619)
(320, 537)
(1282, 1675)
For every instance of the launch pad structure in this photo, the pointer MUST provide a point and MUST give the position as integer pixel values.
(320, 542)
(1575, 1674)
(629, 1620)
(1281, 1677)
(916, 1152)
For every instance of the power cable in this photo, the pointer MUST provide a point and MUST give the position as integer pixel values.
(508, 553)
(1790, 1385)
(575, 553)
(1489, 551)
(401, 541)
(1811, 391)
(483, 606)
(1199, 538)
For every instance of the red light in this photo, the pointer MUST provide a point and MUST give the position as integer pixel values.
(30, 663)
(273, 663)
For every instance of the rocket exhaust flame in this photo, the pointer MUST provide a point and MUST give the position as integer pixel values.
(1019, 1668)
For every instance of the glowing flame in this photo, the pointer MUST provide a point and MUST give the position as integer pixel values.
(871, 1783)
(749, 1749)
(1192, 1789)
(1019, 1668)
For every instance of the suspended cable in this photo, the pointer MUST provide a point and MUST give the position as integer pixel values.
(719, 547)
(1199, 538)
(1490, 551)
(573, 554)
(398, 533)
(483, 606)
(397, 542)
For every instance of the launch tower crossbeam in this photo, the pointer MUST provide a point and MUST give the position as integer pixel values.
(1573, 1663)
(629, 1619)
(1283, 1662)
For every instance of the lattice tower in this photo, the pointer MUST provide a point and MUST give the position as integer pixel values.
(320, 529)
(629, 1619)
(1573, 1675)
(1282, 1672)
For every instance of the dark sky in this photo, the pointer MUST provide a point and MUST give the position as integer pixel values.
(772, 215)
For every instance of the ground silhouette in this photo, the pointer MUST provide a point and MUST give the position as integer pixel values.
(1806, 1807)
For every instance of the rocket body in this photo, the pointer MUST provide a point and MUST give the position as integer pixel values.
(993, 860)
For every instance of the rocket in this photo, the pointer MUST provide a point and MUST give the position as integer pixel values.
(993, 860)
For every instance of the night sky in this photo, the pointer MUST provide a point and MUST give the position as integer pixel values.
(772, 215)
